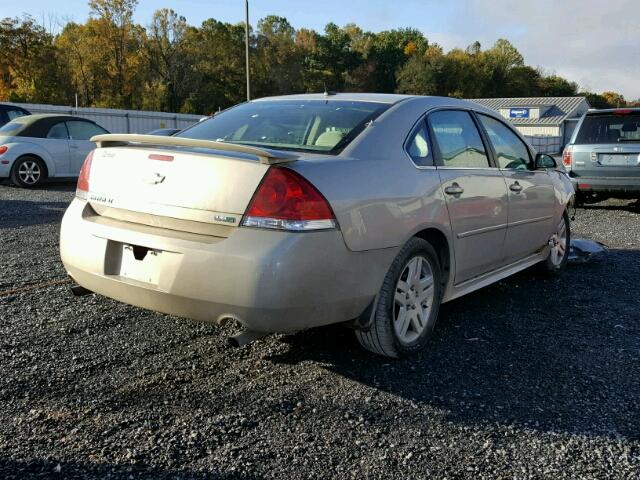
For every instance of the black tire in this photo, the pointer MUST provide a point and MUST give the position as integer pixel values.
(552, 266)
(28, 172)
(381, 337)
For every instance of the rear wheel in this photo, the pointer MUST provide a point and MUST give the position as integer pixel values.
(559, 245)
(28, 172)
(408, 303)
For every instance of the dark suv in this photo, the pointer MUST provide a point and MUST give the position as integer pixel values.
(9, 112)
(603, 156)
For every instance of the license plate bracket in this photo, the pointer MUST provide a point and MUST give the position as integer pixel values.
(619, 159)
(141, 264)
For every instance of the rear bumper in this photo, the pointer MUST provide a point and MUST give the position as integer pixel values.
(269, 281)
(613, 185)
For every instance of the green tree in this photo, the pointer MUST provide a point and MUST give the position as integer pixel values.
(169, 75)
(278, 61)
(422, 74)
(555, 86)
(498, 64)
(388, 52)
(217, 66)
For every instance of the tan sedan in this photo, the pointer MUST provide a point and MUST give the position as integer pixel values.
(292, 212)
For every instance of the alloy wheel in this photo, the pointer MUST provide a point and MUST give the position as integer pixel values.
(413, 299)
(558, 243)
(29, 172)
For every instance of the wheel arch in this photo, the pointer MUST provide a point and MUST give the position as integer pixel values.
(439, 241)
(36, 156)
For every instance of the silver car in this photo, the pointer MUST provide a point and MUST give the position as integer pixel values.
(298, 211)
(603, 155)
(34, 147)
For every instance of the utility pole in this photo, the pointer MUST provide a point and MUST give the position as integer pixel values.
(246, 46)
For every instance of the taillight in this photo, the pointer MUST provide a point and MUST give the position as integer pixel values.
(83, 179)
(567, 157)
(285, 200)
(3, 149)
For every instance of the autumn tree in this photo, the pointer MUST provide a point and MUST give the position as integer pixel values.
(110, 61)
(118, 41)
(614, 99)
(29, 69)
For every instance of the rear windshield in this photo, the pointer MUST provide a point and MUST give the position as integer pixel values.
(10, 128)
(312, 125)
(610, 128)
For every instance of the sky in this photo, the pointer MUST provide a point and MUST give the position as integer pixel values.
(594, 43)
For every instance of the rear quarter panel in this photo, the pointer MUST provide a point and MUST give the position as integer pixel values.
(564, 191)
(379, 204)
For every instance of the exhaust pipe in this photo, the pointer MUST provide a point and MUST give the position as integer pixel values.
(244, 337)
(79, 291)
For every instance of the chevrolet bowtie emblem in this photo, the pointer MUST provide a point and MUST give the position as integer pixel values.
(154, 178)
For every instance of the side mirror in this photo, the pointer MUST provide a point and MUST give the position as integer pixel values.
(544, 161)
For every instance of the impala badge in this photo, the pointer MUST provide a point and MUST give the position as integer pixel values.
(154, 178)
(224, 218)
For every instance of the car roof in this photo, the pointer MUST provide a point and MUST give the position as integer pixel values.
(31, 119)
(387, 98)
(10, 105)
(348, 97)
(38, 126)
(592, 111)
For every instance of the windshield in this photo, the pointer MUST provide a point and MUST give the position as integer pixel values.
(311, 125)
(610, 128)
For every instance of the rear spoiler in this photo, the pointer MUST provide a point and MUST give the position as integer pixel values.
(266, 156)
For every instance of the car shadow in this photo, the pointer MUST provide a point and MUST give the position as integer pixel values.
(631, 206)
(21, 213)
(52, 184)
(552, 354)
(15, 469)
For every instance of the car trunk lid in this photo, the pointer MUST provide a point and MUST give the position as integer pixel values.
(180, 187)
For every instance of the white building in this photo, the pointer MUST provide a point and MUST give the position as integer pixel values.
(547, 122)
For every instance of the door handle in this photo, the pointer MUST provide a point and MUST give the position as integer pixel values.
(74, 146)
(515, 187)
(454, 189)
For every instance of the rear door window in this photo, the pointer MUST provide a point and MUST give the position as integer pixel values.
(617, 127)
(13, 113)
(83, 130)
(458, 139)
(418, 146)
(58, 132)
(511, 152)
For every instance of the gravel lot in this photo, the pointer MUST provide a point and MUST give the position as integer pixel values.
(529, 378)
